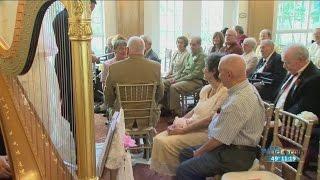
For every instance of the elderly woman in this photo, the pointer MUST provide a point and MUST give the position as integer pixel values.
(189, 130)
(178, 58)
(120, 49)
(250, 57)
(217, 41)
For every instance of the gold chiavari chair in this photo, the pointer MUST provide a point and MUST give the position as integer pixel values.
(294, 133)
(138, 104)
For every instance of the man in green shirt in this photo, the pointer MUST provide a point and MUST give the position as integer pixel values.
(190, 77)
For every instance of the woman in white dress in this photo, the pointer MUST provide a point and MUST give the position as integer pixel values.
(166, 147)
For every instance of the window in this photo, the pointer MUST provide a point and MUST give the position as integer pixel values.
(170, 26)
(296, 21)
(97, 23)
(211, 21)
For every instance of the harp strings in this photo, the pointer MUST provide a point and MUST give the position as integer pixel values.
(46, 88)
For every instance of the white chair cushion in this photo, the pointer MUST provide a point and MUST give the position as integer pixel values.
(251, 175)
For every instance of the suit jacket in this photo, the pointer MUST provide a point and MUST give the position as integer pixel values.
(277, 73)
(153, 56)
(305, 94)
(134, 70)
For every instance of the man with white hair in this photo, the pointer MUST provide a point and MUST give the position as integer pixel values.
(233, 134)
(300, 90)
(269, 72)
(249, 56)
(149, 53)
(314, 49)
(231, 45)
(134, 70)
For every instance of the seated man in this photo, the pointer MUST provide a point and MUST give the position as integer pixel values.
(148, 52)
(265, 34)
(300, 92)
(231, 47)
(189, 79)
(240, 34)
(270, 70)
(192, 127)
(134, 70)
(314, 49)
(233, 133)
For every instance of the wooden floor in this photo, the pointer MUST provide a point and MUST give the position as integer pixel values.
(142, 171)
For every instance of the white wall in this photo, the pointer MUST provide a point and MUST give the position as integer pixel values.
(110, 18)
(191, 21)
(151, 22)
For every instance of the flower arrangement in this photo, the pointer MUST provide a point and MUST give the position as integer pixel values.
(309, 116)
(128, 142)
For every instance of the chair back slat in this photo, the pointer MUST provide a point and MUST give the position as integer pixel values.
(137, 101)
(294, 134)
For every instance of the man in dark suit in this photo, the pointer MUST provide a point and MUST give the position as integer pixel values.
(300, 91)
(269, 72)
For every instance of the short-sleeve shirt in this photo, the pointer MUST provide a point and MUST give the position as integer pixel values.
(241, 119)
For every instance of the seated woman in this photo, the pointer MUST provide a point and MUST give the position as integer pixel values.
(217, 42)
(120, 49)
(189, 130)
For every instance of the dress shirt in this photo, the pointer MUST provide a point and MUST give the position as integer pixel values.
(286, 87)
(265, 60)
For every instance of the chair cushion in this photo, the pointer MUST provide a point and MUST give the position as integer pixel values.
(251, 175)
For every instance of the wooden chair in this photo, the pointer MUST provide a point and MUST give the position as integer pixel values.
(294, 133)
(138, 104)
(186, 98)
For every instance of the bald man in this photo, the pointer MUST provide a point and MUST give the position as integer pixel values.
(134, 70)
(231, 44)
(233, 133)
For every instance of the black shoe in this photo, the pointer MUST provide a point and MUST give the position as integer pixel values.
(99, 110)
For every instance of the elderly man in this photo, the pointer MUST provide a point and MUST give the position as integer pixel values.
(314, 49)
(189, 79)
(240, 34)
(149, 53)
(249, 56)
(269, 72)
(231, 45)
(233, 133)
(300, 91)
(265, 34)
(133, 70)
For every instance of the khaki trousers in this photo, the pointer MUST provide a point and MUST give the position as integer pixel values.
(183, 87)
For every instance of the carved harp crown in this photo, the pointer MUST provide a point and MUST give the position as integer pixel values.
(40, 141)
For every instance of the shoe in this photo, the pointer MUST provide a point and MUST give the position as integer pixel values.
(98, 109)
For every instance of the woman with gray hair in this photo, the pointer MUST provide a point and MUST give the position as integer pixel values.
(250, 57)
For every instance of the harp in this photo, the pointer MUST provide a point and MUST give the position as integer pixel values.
(26, 107)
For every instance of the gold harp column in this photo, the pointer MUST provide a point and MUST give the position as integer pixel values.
(80, 35)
